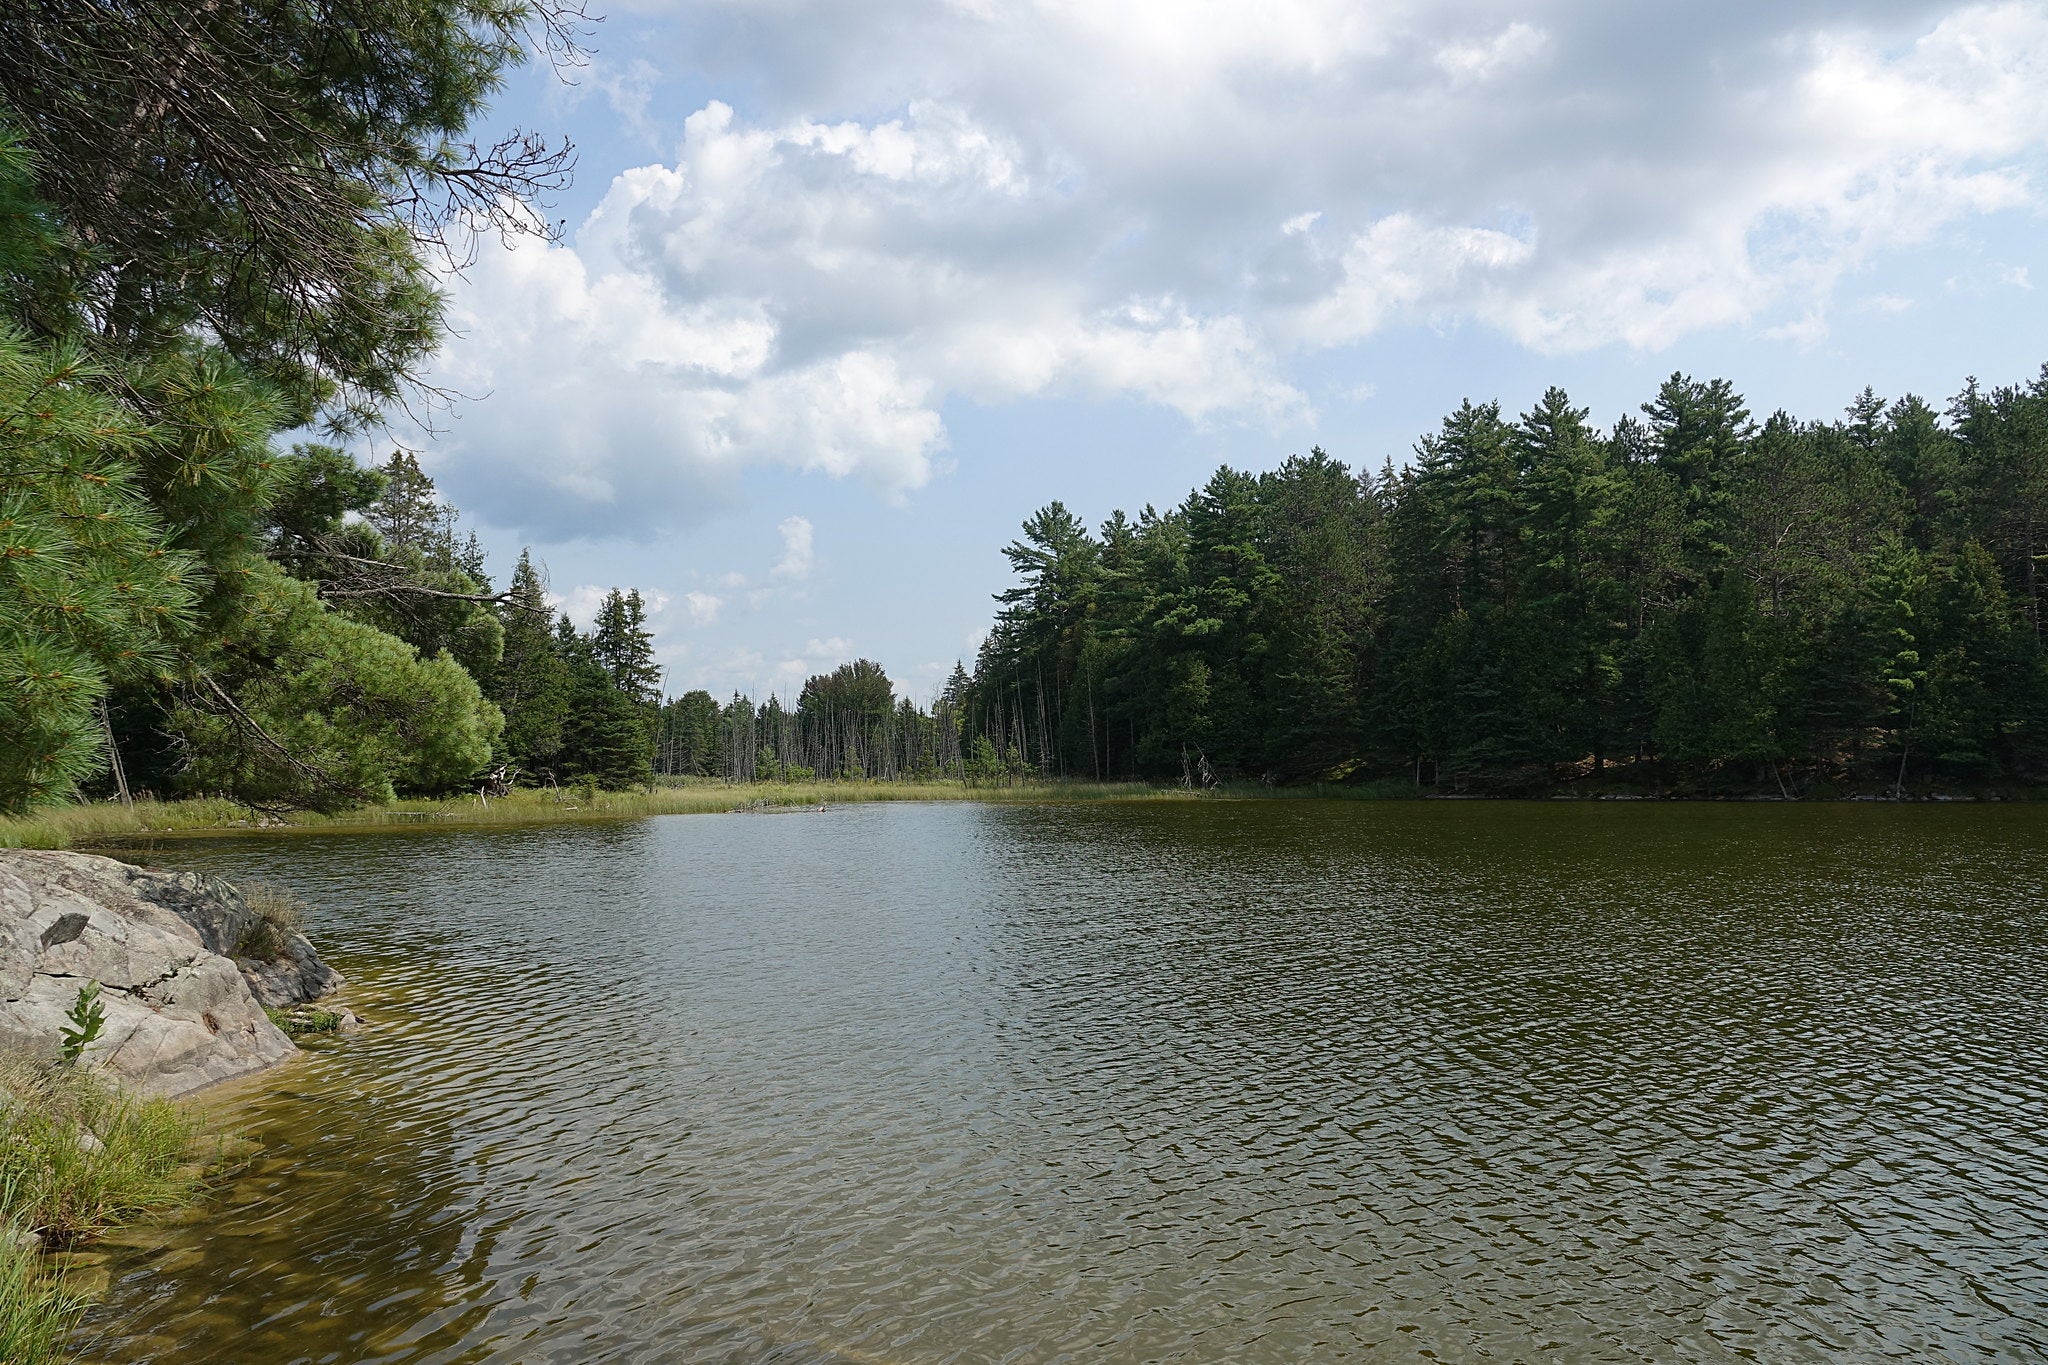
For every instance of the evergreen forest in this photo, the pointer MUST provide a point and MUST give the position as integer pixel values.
(1693, 600)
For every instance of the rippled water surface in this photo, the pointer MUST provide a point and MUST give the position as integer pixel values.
(1279, 1081)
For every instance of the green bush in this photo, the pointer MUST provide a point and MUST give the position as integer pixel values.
(333, 713)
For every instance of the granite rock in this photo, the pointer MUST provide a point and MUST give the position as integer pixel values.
(181, 1011)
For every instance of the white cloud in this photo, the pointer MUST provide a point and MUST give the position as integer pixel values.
(797, 558)
(1398, 264)
(1104, 198)
(720, 671)
(1516, 45)
(788, 676)
(580, 603)
(703, 607)
(1805, 333)
(629, 89)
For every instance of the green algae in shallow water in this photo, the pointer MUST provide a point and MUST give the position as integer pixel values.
(1206, 1082)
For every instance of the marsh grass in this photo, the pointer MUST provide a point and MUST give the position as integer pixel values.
(106, 822)
(37, 1311)
(78, 1156)
(69, 826)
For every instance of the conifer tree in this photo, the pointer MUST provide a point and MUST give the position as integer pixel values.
(407, 514)
(624, 647)
(531, 684)
(273, 176)
(91, 592)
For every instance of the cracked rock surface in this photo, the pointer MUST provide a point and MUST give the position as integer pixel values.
(181, 1013)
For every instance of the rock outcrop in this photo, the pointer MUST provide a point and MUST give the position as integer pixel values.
(182, 1010)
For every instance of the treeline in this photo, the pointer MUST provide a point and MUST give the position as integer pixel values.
(846, 724)
(1692, 599)
(218, 224)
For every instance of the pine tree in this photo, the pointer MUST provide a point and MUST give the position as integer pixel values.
(274, 177)
(624, 647)
(1696, 430)
(606, 735)
(91, 593)
(532, 682)
(407, 513)
(1568, 595)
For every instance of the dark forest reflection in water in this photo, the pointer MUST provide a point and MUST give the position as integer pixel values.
(1218, 1082)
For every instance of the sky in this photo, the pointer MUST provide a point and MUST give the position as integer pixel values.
(842, 293)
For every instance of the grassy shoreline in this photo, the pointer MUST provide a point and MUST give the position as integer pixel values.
(84, 825)
(76, 826)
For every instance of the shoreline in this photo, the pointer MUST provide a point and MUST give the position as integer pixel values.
(141, 1003)
(96, 824)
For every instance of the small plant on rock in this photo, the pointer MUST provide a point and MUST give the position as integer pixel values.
(88, 1021)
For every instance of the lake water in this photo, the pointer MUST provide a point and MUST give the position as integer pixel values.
(1260, 1081)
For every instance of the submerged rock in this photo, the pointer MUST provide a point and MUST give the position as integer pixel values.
(181, 1010)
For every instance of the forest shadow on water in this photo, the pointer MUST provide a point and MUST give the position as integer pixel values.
(1218, 1081)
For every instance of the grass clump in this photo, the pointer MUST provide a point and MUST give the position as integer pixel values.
(278, 914)
(302, 1021)
(78, 1156)
(36, 1311)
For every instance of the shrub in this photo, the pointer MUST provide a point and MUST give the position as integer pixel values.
(333, 713)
